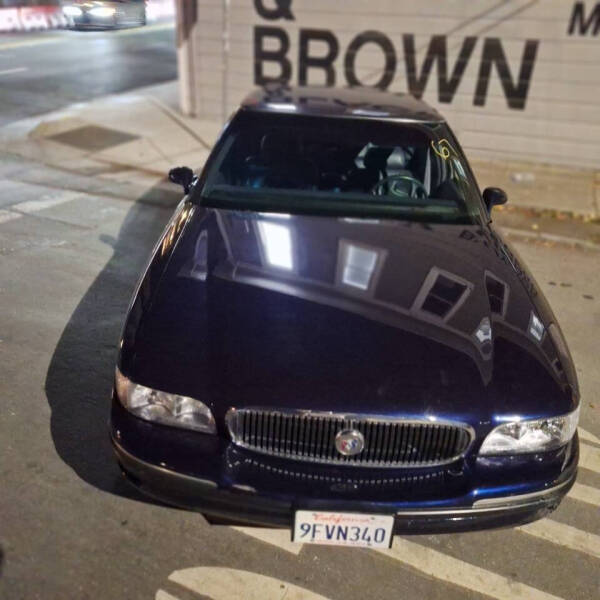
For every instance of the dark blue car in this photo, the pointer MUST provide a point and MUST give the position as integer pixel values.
(331, 335)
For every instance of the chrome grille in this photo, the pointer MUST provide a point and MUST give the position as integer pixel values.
(310, 436)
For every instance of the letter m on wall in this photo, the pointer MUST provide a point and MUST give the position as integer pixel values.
(585, 25)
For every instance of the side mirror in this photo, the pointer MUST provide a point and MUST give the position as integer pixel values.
(182, 176)
(494, 196)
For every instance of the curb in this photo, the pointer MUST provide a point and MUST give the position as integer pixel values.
(549, 237)
(516, 206)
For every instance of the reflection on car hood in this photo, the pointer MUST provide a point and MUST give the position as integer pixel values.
(328, 313)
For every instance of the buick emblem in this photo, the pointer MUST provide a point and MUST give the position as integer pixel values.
(349, 442)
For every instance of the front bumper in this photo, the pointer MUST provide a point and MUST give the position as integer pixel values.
(206, 474)
(244, 505)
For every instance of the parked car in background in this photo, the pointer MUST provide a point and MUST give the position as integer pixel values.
(105, 14)
(332, 336)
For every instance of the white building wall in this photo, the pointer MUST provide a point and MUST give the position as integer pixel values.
(553, 116)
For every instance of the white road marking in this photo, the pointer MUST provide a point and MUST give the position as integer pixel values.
(282, 538)
(32, 42)
(431, 562)
(455, 571)
(587, 436)
(589, 457)
(565, 536)
(33, 206)
(7, 215)
(585, 493)
(16, 211)
(221, 583)
(162, 595)
(68, 38)
(13, 71)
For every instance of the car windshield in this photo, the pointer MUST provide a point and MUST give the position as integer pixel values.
(362, 167)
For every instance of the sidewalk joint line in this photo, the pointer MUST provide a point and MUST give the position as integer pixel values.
(174, 117)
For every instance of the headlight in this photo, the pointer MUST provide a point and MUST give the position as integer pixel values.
(102, 11)
(162, 407)
(541, 435)
(72, 11)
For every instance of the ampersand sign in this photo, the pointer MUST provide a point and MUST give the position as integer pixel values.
(282, 10)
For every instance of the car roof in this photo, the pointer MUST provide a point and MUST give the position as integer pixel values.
(355, 102)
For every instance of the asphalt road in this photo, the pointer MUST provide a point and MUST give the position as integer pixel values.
(46, 71)
(70, 527)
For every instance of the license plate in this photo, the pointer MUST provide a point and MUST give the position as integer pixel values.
(343, 529)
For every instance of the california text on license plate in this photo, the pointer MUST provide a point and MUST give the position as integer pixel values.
(343, 529)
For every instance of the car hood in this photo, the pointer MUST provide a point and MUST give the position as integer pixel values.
(354, 315)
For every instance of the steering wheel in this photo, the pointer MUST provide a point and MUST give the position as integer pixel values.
(417, 189)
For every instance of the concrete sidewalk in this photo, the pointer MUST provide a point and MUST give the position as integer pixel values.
(137, 137)
(544, 188)
(132, 138)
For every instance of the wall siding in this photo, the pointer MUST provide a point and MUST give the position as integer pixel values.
(555, 119)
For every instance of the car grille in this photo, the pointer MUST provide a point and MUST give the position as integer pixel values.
(310, 436)
(409, 481)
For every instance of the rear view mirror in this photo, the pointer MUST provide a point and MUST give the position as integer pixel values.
(182, 176)
(494, 196)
